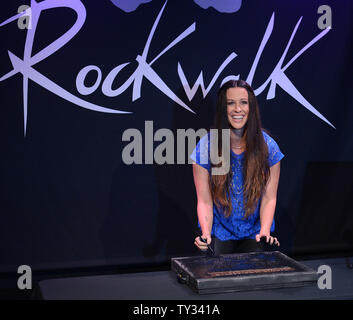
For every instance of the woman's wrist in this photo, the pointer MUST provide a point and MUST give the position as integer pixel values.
(206, 234)
(265, 231)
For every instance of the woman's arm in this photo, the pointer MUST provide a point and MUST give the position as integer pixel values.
(204, 204)
(268, 204)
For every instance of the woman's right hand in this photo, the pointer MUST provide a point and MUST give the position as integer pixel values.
(202, 245)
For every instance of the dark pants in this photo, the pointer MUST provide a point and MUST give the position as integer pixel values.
(236, 246)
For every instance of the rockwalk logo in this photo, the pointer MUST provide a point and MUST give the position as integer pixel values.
(144, 69)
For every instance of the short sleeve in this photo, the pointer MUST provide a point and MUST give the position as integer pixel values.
(274, 153)
(201, 153)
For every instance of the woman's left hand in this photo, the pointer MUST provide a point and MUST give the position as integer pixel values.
(269, 239)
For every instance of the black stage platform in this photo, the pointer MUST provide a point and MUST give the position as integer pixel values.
(163, 285)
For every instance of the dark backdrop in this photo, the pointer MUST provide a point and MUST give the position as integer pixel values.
(66, 197)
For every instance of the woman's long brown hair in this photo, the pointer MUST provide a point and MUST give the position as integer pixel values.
(255, 169)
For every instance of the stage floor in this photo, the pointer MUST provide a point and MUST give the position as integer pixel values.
(163, 285)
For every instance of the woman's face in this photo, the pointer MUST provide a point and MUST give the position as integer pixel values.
(237, 107)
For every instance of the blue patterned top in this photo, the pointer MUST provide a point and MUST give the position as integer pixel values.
(235, 227)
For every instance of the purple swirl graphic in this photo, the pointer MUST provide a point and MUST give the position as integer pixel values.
(129, 5)
(224, 6)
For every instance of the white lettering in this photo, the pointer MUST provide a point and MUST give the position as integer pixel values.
(325, 281)
(24, 281)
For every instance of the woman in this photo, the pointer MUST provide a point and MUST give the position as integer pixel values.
(236, 209)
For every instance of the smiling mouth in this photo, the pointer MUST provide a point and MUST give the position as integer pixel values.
(237, 117)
